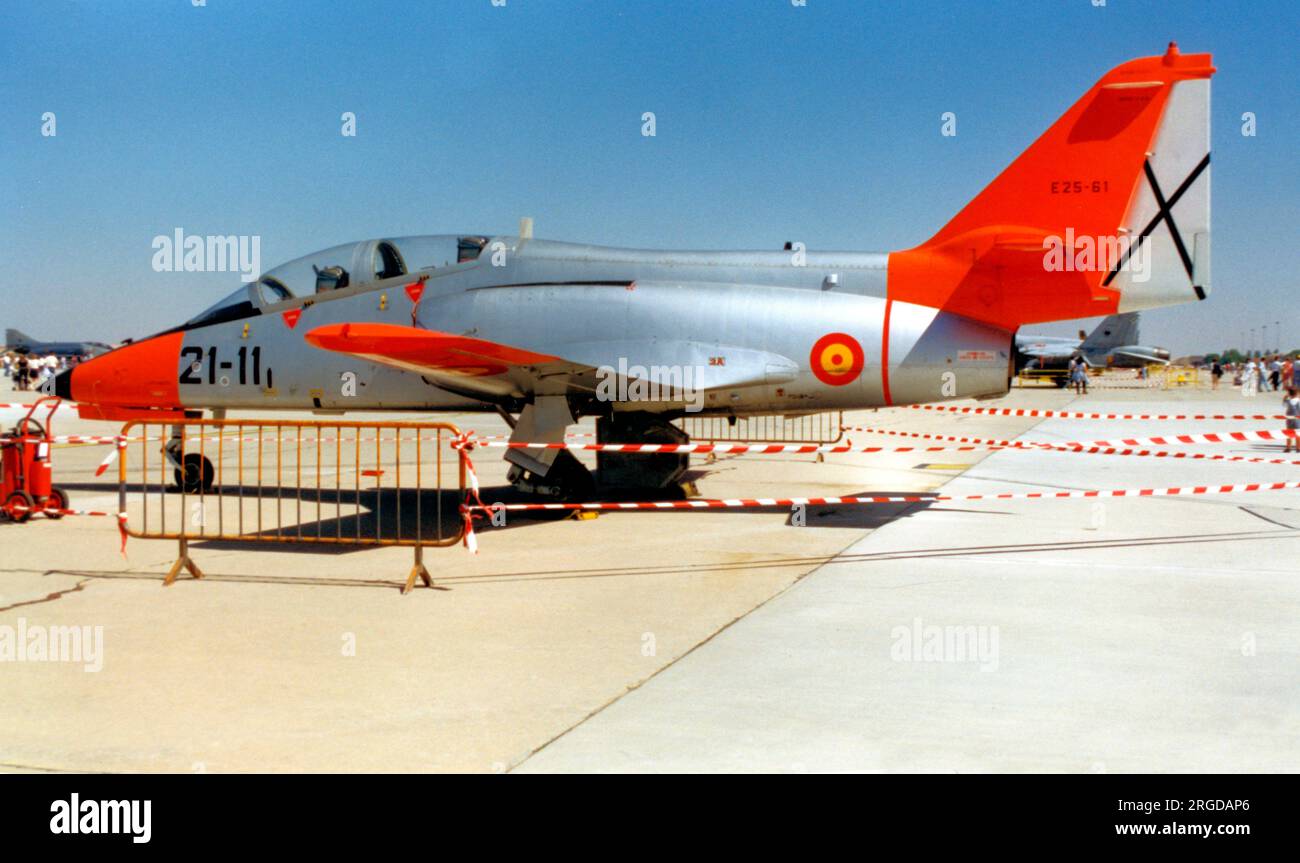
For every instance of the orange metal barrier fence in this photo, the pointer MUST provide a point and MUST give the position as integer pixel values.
(818, 428)
(284, 481)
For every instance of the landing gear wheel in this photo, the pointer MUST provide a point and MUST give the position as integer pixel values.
(575, 481)
(19, 506)
(638, 471)
(195, 474)
(56, 503)
(568, 480)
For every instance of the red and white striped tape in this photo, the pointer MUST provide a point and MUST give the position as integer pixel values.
(26, 406)
(464, 444)
(469, 510)
(738, 447)
(121, 517)
(1015, 412)
(123, 441)
(473, 504)
(1181, 454)
(1271, 436)
(20, 508)
(730, 503)
(112, 454)
(266, 439)
(1082, 415)
(71, 439)
(741, 448)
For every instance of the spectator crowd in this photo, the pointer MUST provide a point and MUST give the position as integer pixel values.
(28, 371)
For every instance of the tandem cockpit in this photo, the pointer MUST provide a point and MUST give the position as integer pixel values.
(351, 265)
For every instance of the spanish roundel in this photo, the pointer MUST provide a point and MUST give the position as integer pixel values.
(837, 359)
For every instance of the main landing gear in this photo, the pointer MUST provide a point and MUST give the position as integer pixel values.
(558, 474)
(634, 471)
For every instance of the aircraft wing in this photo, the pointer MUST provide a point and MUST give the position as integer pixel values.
(423, 351)
(491, 368)
(1041, 352)
(462, 362)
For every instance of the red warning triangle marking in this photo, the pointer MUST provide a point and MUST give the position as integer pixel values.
(415, 290)
(291, 317)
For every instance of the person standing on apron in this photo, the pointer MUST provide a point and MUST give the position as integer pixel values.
(1291, 407)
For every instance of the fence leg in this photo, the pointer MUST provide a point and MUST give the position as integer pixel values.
(184, 561)
(418, 570)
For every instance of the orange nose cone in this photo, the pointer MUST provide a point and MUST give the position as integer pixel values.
(139, 375)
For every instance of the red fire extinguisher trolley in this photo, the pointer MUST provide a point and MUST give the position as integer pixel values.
(26, 483)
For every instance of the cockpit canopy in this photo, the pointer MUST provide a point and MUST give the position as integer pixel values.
(344, 266)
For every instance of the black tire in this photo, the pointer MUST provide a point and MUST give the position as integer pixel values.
(569, 480)
(19, 499)
(578, 483)
(58, 500)
(197, 476)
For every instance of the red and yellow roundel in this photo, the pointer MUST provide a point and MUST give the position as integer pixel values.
(837, 359)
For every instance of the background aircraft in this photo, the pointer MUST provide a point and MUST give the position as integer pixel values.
(546, 332)
(23, 343)
(1113, 344)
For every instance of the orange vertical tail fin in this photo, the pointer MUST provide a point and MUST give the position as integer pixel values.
(1108, 211)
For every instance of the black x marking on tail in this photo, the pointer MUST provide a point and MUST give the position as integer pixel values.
(1164, 213)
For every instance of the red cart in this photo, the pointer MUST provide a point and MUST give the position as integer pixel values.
(26, 482)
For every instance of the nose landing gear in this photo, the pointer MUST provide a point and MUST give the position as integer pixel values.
(193, 472)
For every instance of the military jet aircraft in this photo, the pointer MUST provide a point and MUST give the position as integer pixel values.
(1113, 344)
(23, 343)
(547, 332)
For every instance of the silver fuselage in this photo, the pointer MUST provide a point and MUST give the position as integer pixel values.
(747, 320)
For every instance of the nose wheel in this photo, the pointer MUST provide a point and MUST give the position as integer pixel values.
(195, 474)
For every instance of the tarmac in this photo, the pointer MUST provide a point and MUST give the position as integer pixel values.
(1152, 634)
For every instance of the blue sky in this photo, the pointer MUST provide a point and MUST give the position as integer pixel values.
(774, 122)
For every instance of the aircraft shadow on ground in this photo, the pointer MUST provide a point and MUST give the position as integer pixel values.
(852, 516)
(432, 514)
